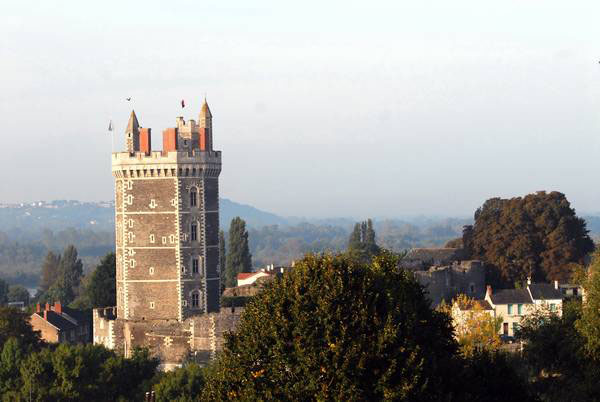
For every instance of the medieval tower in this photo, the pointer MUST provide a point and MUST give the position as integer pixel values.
(167, 221)
(167, 254)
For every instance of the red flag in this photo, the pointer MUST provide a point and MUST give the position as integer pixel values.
(182, 103)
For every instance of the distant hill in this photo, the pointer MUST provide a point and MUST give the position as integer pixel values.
(254, 217)
(99, 216)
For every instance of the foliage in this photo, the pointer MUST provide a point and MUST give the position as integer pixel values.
(589, 323)
(67, 277)
(239, 258)
(14, 323)
(475, 329)
(85, 372)
(4, 289)
(222, 259)
(538, 235)
(17, 293)
(50, 271)
(101, 289)
(180, 385)
(362, 240)
(492, 376)
(337, 328)
(555, 353)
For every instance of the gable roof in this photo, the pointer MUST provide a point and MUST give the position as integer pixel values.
(511, 296)
(434, 254)
(57, 320)
(544, 291)
(246, 275)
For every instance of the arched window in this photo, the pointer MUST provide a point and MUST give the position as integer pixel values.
(195, 299)
(193, 197)
(194, 231)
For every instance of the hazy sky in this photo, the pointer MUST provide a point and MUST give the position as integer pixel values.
(339, 108)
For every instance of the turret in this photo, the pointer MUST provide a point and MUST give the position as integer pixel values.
(132, 133)
(205, 127)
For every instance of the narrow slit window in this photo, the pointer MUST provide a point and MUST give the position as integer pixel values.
(195, 265)
(195, 299)
(194, 231)
(193, 197)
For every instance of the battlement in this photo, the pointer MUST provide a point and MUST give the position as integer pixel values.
(193, 163)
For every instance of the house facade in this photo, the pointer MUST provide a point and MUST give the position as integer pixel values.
(60, 324)
(514, 304)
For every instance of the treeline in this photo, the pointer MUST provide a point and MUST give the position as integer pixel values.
(22, 253)
(282, 244)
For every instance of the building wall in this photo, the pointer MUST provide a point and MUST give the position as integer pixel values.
(48, 332)
(501, 310)
(154, 245)
(444, 283)
(197, 338)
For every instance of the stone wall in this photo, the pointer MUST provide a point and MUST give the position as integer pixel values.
(197, 338)
(445, 282)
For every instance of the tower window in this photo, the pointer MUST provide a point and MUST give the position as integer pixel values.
(151, 270)
(195, 266)
(151, 304)
(152, 238)
(195, 299)
(194, 231)
(193, 197)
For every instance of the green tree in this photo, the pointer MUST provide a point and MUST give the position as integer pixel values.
(355, 241)
(362, 242)
(10, 361)
(101, 289)
(14, 323)
(50, 271)
(474, 328)
(589, 323)
(70, 271)
(17, 293)
(335, 328)
(239, 258)
(222, 258)
(538, 235)
(4, 289)
(85, 372)
(180, 385)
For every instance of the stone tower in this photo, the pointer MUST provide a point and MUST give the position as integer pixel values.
(167, 222)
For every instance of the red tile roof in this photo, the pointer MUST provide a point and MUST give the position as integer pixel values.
(246, 275)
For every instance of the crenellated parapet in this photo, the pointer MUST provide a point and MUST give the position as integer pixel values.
(166, 164)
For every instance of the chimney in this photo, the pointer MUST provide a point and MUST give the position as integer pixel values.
(529, 280)
(38, 308)
(488, 291)
(556, 285)
(169, 140)
(145, 140)
(57, 308)
(46, 315)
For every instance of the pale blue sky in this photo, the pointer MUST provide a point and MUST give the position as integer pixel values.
(353, 108)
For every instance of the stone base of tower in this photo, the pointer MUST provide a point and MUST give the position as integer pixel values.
(198, 338)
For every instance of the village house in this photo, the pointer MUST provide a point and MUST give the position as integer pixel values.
(60, 324)
(513, 304)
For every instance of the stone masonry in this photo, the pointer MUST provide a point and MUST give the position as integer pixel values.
(167, 255)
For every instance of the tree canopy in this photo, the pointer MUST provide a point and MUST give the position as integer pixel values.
(362, 240)
(538, 235)
(239, 258)
(337, 328)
